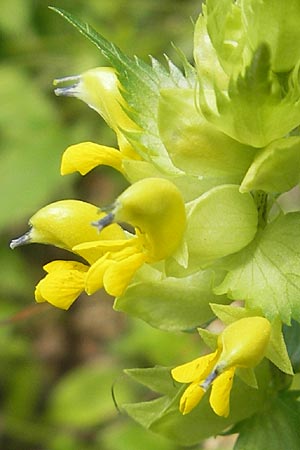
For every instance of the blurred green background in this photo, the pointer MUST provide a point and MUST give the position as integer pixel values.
(58, 368)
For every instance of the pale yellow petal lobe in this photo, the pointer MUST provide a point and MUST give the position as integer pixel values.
(94, 278)
(245, 342)
(197, 369)
(86, 156)
(119, 274)
(107, 245)
(65, 265)
(60, 288)
(220, 393)
(190, 398)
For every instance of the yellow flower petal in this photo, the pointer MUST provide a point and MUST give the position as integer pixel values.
(191, 397)
(92, 252)
(64, 224)
(154, 206)
(86, 156)
(195, 370)
(94, 278)
(60, 288)
(65, 265)
(118, 275)
(125, 253)
(220, 393)
(112, 232)
(97, 272)
(245, 342)
(100, 89)
(111, 245)
(37, 294)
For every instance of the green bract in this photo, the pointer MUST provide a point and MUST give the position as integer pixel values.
(171, 303)
(237, 48)
(276, 168)
(255, 109)
(206, 239)
(277, 24)
(194, 145)
(266, 273)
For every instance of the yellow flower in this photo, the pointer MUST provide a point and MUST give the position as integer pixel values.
(101, 90)
(155, 208)
(66, 224)
(116, 268)
(241, 344)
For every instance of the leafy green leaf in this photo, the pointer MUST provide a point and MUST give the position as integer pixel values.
(158, 379)
(266, 273)
(170, 303)
(248, 376)
(229, 314)
(276, 427)
(277, 351)
(276, 168)
(146, 413)
(210, 339)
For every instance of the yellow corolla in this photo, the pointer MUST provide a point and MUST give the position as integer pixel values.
(153, 206)
(101, 90)
(242, 344)
(66, 224)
